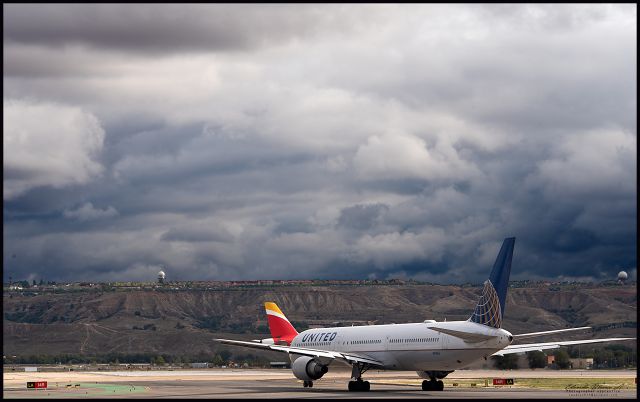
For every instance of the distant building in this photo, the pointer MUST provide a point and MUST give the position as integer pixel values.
(582, 363)
(161, 277)
(199, 365)
(280, 364)
(550, 360)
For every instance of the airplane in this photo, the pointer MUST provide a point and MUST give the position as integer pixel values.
(433, 349)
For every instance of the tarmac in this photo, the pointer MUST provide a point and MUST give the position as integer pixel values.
(280, 383)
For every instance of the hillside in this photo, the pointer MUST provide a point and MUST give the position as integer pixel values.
(184, 322)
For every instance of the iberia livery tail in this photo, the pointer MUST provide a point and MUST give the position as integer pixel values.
(281, 329)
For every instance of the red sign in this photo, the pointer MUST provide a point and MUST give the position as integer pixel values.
(37, 384)
(503, 381)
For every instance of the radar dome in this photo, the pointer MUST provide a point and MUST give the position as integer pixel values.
(622, 276)
(161, 274)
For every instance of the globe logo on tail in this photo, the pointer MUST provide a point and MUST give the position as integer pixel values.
(487, 310)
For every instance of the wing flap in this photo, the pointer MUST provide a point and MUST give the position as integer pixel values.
(557, 331)
(307, 352)
(354, 358)
(529, 347)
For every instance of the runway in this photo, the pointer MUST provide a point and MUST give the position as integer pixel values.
(261, 384)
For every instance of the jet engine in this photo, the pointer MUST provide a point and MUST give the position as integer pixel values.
(434, 374)
(306, 368)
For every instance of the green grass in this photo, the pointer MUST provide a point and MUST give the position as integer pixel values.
(540, 383)
(577, 383)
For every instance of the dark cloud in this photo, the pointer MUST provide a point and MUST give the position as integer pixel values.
(166, 27)
(197, 235)
(361, 217)
(323, 141)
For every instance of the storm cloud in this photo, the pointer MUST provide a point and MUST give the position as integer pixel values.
(318, 141)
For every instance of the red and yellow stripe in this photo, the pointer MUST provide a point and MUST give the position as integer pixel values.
(281, 329)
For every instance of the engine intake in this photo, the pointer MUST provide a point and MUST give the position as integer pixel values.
(306, 368)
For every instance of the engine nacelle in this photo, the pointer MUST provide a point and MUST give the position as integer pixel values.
(306, 368)
(433, 374)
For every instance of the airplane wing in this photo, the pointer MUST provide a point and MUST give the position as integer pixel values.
(345, 357)
(529, 347)
(532, 334)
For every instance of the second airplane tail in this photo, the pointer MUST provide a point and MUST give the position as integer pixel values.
(281, 329)
(490, 308)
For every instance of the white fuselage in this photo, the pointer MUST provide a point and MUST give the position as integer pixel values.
(407, 346)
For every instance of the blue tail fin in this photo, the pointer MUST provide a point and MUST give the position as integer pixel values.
(490, 308)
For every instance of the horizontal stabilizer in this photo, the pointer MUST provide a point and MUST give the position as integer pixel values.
(253, 344)
(557, 331)
(268, 341)
(471, 337)
(530, 347)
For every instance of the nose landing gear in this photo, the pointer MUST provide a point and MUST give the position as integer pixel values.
(307, 384)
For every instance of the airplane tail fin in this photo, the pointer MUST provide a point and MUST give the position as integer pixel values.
(281, 329)
(490, 308)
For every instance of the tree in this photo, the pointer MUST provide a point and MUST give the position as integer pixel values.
(506, 362)
(34, 283)
(537, 359)
(159, 361)
(217, 360)
(562, 358)
(574, 351)
(225, 354)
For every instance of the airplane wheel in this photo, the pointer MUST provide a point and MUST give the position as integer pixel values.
(439, 386)
(310, 384)
(359, 385)
(305, 384)
(429, 385)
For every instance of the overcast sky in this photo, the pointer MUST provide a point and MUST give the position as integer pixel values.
(318, 141)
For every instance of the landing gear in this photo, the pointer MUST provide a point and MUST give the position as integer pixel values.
(359, 385)
(432, 385)
(307, 384)
(356, 383)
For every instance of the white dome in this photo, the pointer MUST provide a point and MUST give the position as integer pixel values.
(161, 274)
(622, 275)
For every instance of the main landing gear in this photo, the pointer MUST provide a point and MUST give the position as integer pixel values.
(432, 385)
(359, 385)
(356, 383)
(307, 384)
